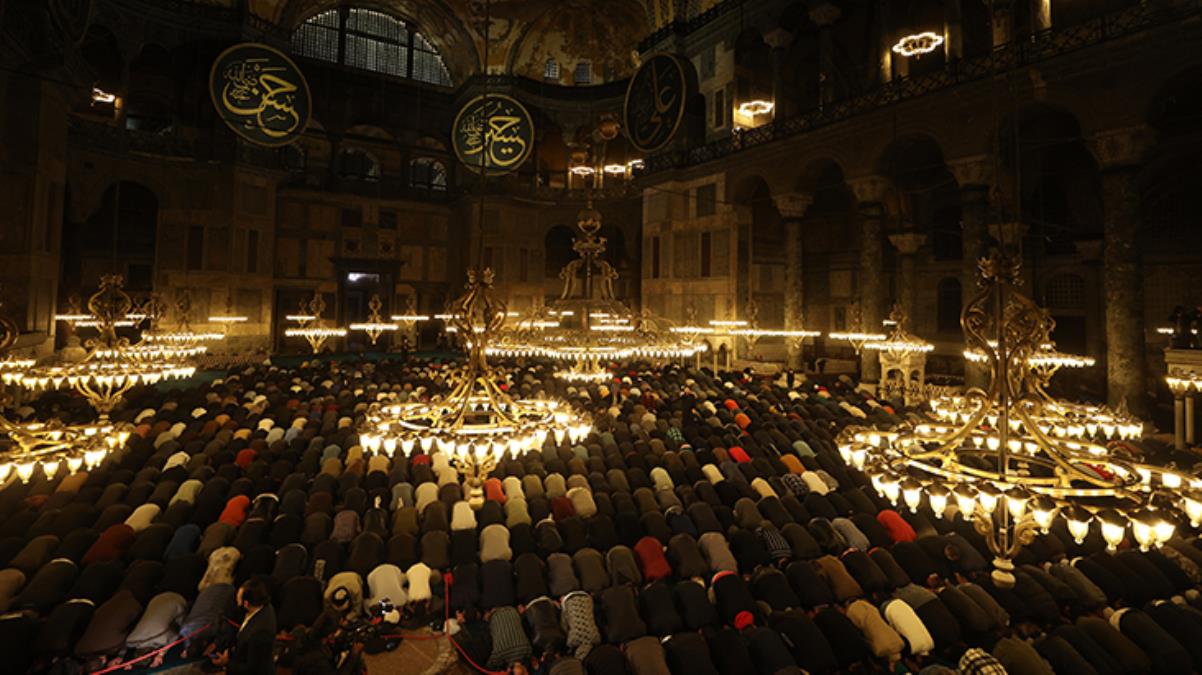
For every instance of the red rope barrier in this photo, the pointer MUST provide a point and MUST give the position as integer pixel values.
(147, 655)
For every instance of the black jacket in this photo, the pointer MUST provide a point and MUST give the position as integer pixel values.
(252, 652)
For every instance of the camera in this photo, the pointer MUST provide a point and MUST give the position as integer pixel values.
(374, 632)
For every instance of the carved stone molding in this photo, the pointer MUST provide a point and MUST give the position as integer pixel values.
(908, 243)
(869, 189)
(975, 170)
(793, 205)
(1118, 148)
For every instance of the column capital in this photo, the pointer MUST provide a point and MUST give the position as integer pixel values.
(1122, 148)
(824, 13)
(778, 39)
(793, 205)
(908, 243)
(976, 170)
(869, 189)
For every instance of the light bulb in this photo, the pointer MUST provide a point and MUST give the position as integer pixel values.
(966, 500)
(988, 497)
(25, 471)
(1078, 524)
(1043, 510)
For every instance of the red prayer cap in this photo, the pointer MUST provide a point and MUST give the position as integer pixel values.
(742, 420)
(744, 619)
(730, 404)
(562, 508)
(245, 458)
(898, 528)
(739, 455)
(494, 491)
(652, 561)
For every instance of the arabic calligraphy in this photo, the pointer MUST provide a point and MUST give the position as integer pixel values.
(655, 102)
(493, 133)
(260, 94)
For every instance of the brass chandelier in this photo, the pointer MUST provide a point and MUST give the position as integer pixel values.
(587, 326)
(477, 423)
(1013, 459)
(310, 325)
(112, 365)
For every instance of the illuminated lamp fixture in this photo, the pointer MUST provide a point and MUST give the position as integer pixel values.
(53, 446)
(756, 107)
(101, 96)
(903, 360)
(587, 326)
(635, 164)
(182, 336)
(615, 169)
(309, 319)
(1014, 460)
(583, 170)
(918, 44)
(375, 326)
(110, 367)
(858, 339)
(477, 424)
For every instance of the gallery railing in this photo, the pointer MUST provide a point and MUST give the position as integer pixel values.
(1037, 48)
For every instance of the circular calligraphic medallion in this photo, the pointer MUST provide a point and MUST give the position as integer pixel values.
(655, 102)
(493, 134)
(260, 93)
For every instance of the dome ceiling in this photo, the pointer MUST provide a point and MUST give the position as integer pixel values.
(524, 33)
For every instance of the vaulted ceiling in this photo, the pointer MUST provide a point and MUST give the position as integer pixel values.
(523, 34)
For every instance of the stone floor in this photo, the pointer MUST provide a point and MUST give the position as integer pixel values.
(419, 657)
(435, 656)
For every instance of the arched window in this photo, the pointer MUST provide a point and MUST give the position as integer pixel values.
(583, 73)
(358, 164)
(551, 70)
(947, 319)
(371, 40)
(428, 174)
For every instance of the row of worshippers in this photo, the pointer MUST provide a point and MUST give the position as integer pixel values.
(710, 484)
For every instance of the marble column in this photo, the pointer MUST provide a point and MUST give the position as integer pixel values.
(792, 208)
(1119, 154)
(870, 192)
(824, 14)
(907, 244)
(33, 170)
(779, 40)
(1003, 21)
(975, 176)
(953, 28)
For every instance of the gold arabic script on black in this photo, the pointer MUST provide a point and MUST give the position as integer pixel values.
(493, 133)
(260, 94)
(655, 101)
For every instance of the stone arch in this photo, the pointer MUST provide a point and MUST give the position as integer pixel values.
(1053, 178)
(753, 67)
(924, 197)
(150, 101)
(1169, 187)
(120, 236)
(557, 249)
(102, 51)
(761, 251)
